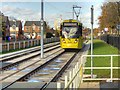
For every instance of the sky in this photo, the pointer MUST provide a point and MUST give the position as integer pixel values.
(53, 10)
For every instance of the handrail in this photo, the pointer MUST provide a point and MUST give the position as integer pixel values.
(101, 67)
(99, 55)
(75, 77)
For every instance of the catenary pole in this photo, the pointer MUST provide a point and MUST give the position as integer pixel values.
(73, 11)
(42, 27)
(92, 41)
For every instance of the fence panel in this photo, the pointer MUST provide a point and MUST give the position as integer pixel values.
(112, 40)
(25, 44)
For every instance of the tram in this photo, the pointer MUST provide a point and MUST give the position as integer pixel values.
(71, 34)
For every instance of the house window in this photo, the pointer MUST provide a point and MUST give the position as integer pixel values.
(33, 27)
(26, 28)
(39, 28)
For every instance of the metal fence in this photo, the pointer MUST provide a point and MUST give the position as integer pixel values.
(111, 67)
(73, 79)
(25, 44)
(77, 75)
(113, 40)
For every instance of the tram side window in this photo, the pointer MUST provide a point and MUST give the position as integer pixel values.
(80, 29)
(60, 30)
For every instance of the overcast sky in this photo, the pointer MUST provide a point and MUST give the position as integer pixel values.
(31, 10)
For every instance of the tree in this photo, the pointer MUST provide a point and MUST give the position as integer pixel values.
(109, 17)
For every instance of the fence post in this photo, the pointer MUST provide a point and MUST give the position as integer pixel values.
(66, 80)
(77, 78)
(37, 42)
(8, 47)
(28, 44)
(111, 67)
(14, 45)
(31, 43)
(48, 40)
(58, 85)
(81, 74)
(19, 45)
(24, 44)
(70, 77)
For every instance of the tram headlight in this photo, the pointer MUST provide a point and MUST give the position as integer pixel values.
(76, 40)
(63, 41)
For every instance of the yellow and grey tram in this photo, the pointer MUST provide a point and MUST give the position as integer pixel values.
(71, 34)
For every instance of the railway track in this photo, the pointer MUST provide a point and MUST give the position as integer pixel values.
(14, 55)
(17, 61)
(16, 76)
(28, 62)
(49, 71)
(45, 71)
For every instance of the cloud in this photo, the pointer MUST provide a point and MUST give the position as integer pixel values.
(58, 0)
(20, 0)
(7, 8)
(20, 13)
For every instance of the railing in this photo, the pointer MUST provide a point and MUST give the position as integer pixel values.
(25, 44)
(74, 78)
(111, 68)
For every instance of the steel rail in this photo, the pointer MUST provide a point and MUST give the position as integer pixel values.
(26, 67)
(33, 71)
(23, 52)
(59, 73)
(25, 59)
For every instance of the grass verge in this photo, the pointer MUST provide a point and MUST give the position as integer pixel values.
(101, 48)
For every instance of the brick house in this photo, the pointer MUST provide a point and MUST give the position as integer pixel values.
(16, 29)
(32, 29)
(4, 26)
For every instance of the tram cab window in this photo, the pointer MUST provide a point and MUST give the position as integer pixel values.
(70, 32)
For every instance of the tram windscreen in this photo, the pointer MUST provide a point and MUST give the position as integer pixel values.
(70, 32)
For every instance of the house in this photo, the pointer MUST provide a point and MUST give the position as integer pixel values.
(4, 26)
(16, 29)
(32, 29)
